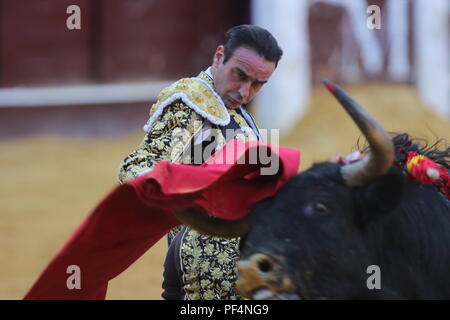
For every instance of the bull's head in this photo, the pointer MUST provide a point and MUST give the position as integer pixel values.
(307, 240)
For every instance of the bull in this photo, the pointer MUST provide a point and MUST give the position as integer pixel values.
(318, 236)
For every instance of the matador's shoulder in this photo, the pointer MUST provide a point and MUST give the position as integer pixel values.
(198, 95)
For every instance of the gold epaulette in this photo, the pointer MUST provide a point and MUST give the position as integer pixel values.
(198, 95)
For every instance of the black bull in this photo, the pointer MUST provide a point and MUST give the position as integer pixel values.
(356, 231)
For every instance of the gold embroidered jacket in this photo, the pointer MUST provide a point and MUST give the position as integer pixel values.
(185, 115)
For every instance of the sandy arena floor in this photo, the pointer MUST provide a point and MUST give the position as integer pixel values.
(48, 185)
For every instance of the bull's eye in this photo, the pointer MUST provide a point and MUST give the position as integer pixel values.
(317, 208)
(321, 208)
(265, 266)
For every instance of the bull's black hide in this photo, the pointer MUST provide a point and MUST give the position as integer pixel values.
(325, 234)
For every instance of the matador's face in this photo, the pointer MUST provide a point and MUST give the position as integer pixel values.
(238, 80)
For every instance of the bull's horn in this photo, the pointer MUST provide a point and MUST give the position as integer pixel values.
(382, 154)
(213, 226)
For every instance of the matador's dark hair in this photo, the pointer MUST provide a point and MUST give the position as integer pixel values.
(252, 37)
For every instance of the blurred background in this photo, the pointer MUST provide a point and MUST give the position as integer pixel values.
(73, 101)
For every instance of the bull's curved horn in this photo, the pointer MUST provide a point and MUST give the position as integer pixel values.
(213, 226)
(382, 153)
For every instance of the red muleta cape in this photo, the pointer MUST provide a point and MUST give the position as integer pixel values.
(136, 214)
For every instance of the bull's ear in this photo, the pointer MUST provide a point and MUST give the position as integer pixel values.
(380, 197)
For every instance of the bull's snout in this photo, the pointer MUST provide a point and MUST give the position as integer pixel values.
(262, 277)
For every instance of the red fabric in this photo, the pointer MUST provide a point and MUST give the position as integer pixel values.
(136, 214)
(418, 171)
